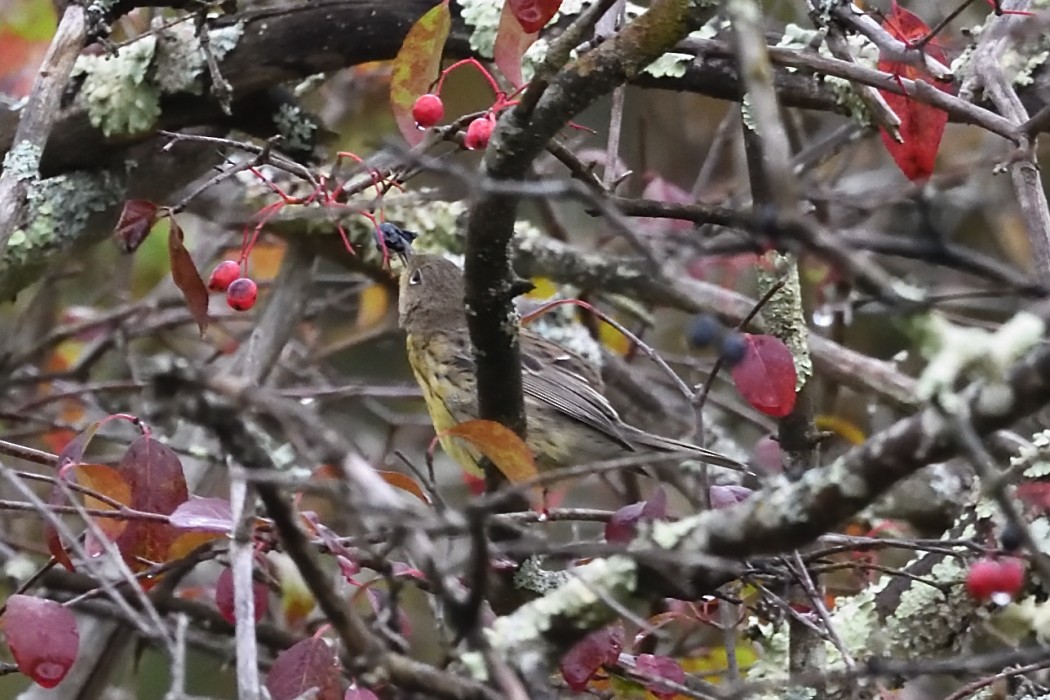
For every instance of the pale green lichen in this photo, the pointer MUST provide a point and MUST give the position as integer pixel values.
(116, 92)
(1023, 64)
(863, 52)
(59, 211)
(1034, 459)
(667, 534)
(955, 351)
(482, 17)
(23, 160)
(122, 93)
(747, 116)
(670, 65)
(225, 39)
(180, 61)
(784, 314)
(295, 126)
(926, 615)
(531, 576)
(1040, 531)
(711, 29)
(581, 599)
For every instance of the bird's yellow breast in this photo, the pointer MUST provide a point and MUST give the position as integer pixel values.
(448, 391)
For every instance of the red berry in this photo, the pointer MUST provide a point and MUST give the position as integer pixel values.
(428, 110)
(241, 294)
(998, 580)
(223, 274)
(478, 133)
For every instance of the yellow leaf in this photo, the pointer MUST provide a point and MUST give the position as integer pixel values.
(712, 662)
(296, 599)
(841, 427)
(543, 288)
(613, 339)
(373, 303)
(416, 66)
(500, 445)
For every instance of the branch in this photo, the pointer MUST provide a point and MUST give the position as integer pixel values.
(520, 137)
(22, 161)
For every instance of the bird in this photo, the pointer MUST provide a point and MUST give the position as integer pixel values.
(568, 419)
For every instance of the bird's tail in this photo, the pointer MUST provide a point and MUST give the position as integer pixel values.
(644, 440)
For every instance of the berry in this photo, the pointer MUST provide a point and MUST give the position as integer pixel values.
(1010, 537)
(998, 580)
(241, 294)
(397, 239)
(478, 133)
(223, 274)
(428, 110)
(703, 330)
(734, 347)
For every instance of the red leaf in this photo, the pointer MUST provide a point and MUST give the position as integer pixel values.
(186, 277)
(661, 190)
(725, 496)
(583, 660)
(416, 67)
(355, 693)
(534, 14)
(657, 668)
(73, 453)
(42, 636)
(1034, 495)
(622, 526)
(512, 41)
(136, 220)
(157, 486)
(70, 456)
(308, 664)
(765, 377)
(203, 514)
(767, 455)
(224, 597)
(922, 126)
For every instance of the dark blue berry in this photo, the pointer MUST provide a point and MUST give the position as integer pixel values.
(1010, 538)
(703, 330)
(734, 347)
(396, 239)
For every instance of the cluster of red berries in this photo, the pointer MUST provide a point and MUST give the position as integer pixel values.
(241, 292)
(428, 110)
(998, 579)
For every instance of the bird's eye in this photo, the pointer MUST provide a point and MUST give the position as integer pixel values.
(416, 277)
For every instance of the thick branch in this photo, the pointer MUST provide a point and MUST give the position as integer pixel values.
(522, 134)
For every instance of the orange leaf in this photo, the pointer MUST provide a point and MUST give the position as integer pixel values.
(405, 483)
(416, 67)
(501, 445)
(185, 543)
(108, 482)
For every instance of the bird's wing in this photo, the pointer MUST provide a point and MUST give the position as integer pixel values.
(564, 381)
